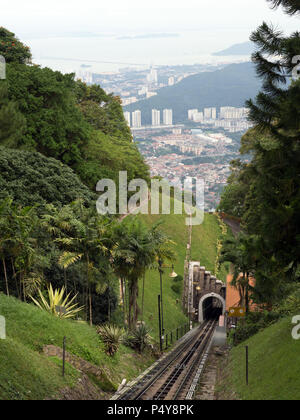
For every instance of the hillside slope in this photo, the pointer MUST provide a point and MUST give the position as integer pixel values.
(244, 48)
(204, 249)
(231, 86)
(26, 374)
(274, 370)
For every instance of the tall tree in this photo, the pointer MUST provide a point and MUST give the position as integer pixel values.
(136, 249)
(242, 252)
(12, 122)
(84, 240)
(12, 49)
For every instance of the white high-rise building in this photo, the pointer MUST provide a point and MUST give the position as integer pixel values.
(198, 117)
(152, 77)
(168, 117)
(155, 117)
(171, 81)
(214, 113)
(127, 118)
(232, 113)
(207, 113)
(137, 119)
(191, 113)
(143, 91)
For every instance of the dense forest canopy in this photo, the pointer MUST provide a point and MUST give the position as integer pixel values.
(32, 179)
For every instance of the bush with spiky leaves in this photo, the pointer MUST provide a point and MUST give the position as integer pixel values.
(138, 339)
(112, 337)
(58, 305)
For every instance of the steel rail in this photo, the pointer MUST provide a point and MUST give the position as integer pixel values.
(139, 389)
(177, 372)
(204, 345)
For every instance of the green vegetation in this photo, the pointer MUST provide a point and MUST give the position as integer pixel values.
(30, 178)
(265, 193)
(139, 339)
(57, 303)
(242, 252)
(111, 336)
(30, 375)
(12, 49)
(274, 371)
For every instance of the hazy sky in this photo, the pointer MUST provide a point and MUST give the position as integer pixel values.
(33, 18)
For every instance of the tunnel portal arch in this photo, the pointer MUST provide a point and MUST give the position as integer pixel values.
(204, 298)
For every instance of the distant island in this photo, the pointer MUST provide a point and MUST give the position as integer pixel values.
(149, 36)
(245, 48)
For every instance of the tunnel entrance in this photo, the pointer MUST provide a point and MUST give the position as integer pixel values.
(211, 306)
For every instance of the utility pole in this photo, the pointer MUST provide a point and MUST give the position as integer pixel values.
(160, 268)
(159, 325)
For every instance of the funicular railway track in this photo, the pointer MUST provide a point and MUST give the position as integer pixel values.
(172, 378)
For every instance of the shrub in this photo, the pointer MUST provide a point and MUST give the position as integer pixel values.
(176, 288)
(112, 337)
(291, 305)
(253, 323)
(138, 339)
(178, 279)
(57, 304)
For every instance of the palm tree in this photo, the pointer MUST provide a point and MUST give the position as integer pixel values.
(59, 222)
(162, 248)
(85, 242)
(136, 249)
(23, 247)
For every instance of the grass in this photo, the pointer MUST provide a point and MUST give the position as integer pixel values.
(25, 373)
(274, 370)
(204, 249)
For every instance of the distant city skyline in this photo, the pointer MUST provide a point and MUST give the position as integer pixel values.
(229, 118)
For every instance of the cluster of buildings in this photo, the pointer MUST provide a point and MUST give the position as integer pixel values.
(136, 84)
(177, 153)
(134, 119)
(193, 143)
(229, 118)
(172, 169)
(225, 113)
